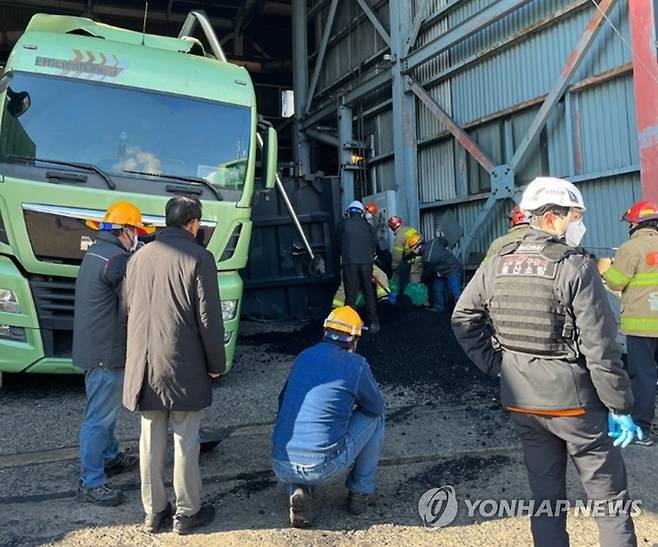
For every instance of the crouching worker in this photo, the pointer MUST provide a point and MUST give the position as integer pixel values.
(331, 418)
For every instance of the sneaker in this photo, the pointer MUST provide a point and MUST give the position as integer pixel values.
(647, 441)
(301, 508)
(357, 504)
(184, 524)
(100, 495)
(153, 522)
(122, 463)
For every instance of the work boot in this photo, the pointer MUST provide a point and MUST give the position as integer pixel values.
(357, 504)
(153, 522)
(301, 508)
(100, 495)
(122, 463)
(184, 524)
(647, 441)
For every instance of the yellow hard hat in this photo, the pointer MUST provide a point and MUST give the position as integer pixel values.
(414, 240)
(344, 319)
(122, 214)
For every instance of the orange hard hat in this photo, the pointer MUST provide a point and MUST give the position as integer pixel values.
(640, 212)
(121, 214)
(371, 207)
(394, 223)
(414, 240)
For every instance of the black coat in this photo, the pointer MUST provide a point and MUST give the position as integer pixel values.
(357, 240)
(99, 323)
(175, 327)
(438, 259)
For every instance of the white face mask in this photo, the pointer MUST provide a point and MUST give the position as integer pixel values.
(575, 233)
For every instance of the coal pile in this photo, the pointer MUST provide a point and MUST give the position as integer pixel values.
(415, 348)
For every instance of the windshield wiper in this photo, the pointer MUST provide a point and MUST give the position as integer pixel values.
(190, 180)
(86, 166)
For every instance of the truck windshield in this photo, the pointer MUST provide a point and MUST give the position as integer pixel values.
(126, 131)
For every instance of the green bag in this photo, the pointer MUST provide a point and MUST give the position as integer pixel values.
(394, 286)
(417, 292)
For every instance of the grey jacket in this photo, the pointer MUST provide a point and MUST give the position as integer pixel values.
(528, 382)
(175, 327)
(99, 324)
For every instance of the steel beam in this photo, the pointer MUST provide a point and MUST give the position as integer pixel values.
(460, 135)
(345, 156)
(645, 81)
(420, 17)
(480, 20)
(359, 91)
(468, 238)
(562, 82)
(404, 118)
(319, 61)
(76, 8)
(326, 138)
(375, 21)
(302, 152)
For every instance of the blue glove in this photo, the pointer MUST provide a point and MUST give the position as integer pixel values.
(623, 429)
(393, 298)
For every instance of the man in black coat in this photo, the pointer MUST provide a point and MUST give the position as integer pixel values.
(99, 348)
(175, 349)
(358, 245)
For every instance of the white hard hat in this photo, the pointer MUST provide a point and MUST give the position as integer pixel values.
(551, 191)
(356, 205)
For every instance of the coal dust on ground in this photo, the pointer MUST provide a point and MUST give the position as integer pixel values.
(415, 348)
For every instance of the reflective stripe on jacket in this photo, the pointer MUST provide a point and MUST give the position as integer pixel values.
(634, 272)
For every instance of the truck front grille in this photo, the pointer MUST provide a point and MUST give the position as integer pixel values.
(54, 298)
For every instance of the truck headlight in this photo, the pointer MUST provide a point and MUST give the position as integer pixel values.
(9, 301)
(17, 334)
(229, 307)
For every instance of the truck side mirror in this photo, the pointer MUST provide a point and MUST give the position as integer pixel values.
(269, 158)
(5, 80)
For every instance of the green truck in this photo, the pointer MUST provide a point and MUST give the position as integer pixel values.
(93, 114)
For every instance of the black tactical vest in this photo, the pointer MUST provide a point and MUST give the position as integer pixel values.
(525, 310)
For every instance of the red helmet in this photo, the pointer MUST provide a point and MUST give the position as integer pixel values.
(640, 212)
(394, 223)
(518, 216)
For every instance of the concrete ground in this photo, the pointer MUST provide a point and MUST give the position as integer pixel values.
(444, 427)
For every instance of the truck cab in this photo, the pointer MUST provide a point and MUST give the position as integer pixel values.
(91, 115)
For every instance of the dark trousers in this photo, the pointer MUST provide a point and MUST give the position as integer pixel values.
(642, 356)
(547, 441)
(358, 278)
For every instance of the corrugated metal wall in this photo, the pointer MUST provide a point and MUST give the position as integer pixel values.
(492, 84)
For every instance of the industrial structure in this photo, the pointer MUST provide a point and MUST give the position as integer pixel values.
(442, 110)
(456, 104)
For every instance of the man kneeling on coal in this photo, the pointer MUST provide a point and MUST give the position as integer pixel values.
(331, 418)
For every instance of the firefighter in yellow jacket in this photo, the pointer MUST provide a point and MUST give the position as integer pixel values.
(405, 266)
(634, 272)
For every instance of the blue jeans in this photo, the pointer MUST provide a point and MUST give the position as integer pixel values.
(454, 282)
(98, 445)
(363, 444)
